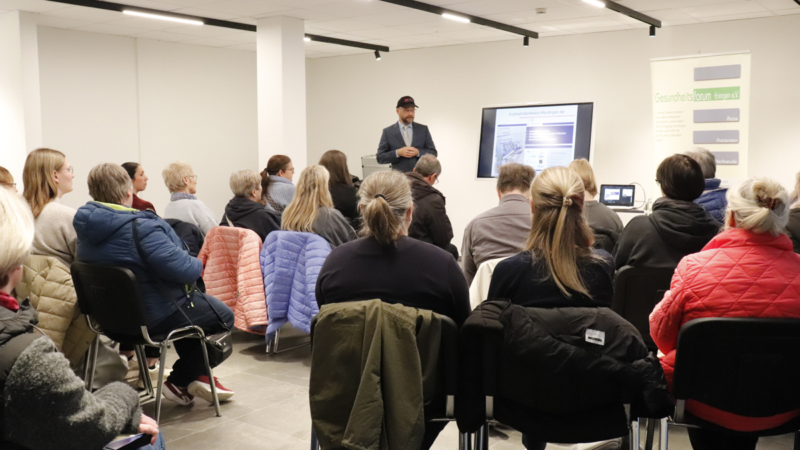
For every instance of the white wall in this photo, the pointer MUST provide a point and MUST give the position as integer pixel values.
(351, 98)
(116, 99)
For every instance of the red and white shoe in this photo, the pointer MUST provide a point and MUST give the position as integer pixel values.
(201, 388)
(177, 394)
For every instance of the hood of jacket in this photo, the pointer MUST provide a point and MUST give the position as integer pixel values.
(712, 183)
(685, 225)
(96, 222)
(14, 323)
(420, 188)
(240, 207)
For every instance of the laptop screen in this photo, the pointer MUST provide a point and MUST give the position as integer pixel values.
(621, 195)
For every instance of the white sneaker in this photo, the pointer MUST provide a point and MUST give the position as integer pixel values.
(201, 388)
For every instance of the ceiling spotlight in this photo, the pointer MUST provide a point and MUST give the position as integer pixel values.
(377, 55)
(525, 41)
(652, 31)
(307, 39)
(160, 17)
(596, 3)
(456, 18)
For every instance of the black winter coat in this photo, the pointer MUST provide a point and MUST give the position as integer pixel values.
(429, 221)
(793, 228)
(189, 233)
(345, 200)
(675, 229)
(561, 374)
(246, 213)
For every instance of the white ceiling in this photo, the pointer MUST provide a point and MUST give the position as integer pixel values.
(381, 23)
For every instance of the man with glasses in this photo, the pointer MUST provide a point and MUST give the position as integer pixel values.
(429, 223)
(402, 144)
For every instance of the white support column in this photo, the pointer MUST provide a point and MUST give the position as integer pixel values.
(20, 100)
(281, 90)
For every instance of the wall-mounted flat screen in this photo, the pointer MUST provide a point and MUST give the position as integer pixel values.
(539, 136)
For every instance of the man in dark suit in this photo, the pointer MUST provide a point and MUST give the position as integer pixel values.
(404, 142)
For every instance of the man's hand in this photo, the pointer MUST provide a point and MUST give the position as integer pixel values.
(408, 152)
(148, 426)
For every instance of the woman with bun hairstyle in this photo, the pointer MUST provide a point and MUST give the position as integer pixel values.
(558, 267)
(748, 270)
(139, 183)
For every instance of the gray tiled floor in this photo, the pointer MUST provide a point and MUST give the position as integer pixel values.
(270, 408)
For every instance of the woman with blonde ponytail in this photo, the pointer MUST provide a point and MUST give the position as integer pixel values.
(557, 267)
(748, 270)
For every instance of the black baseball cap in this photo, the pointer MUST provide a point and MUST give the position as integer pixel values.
(405, 102)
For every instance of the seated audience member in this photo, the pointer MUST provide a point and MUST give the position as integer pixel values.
(793, 226)
(7, 180)
(276, 183)
(429, 222)
(599, 215)
(748, 270)
(312, 211)
(343, 192)
(713, 197)
(106, 236)
(183, 203)
(502, 230)
(676, 228)
(45, 405)
(139, 182)
(244, 209)
(557, 266)
(47, 177)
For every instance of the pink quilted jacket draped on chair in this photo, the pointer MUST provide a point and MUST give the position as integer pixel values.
(232, 273)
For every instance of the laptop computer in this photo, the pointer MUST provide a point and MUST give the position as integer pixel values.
(617, 195)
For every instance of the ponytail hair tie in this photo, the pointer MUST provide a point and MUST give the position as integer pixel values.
(379, 195)
(566, 202)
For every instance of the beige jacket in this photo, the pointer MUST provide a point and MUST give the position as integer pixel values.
(47, 283)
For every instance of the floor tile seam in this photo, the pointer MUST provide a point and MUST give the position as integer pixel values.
(274, 431)
(272, 379)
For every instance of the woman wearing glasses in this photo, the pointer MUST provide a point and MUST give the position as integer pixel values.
(183, 203)
(47, 177)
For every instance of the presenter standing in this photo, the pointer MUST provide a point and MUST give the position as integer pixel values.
(403, 143)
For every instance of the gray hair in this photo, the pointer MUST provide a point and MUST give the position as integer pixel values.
(759, 204)
(706, 160)
(109, 183)
(16, 232)
(175, 173)
(244, 182)
(428, 165)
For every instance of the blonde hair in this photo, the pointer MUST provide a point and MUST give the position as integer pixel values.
(759, 204)
(584, 170)
(37, 176)
(244, 182)
(559, 232)
(6, 177)
(385, 198)
(311, 194)
(175, 173)
(16, 232)
(109, 183)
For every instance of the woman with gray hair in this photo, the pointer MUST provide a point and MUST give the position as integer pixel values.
(748, 270)
(183, 203)
(793, 226)
(244, 209)
(713, 197)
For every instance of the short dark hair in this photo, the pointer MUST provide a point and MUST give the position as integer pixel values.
(515, 176)
(131, 167)
(681, 178)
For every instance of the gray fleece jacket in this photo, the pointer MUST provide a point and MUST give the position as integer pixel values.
(45, 405)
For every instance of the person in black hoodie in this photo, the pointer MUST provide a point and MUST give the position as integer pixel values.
(344, 193)
(676, 228)
(430, 222)
(244, 210)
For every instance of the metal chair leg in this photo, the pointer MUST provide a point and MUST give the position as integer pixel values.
(144, 373)
(160, 385)
(482, 437)
(211, 380)
(651, 431)
(465, 441)
(796, 441)
(635, 436)
(314, 442)
(663, 434)
(93, 350)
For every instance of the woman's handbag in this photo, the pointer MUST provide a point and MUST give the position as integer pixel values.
(219, 346)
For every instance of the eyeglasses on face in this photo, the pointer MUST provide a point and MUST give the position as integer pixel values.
(13, 185)
(69, 169)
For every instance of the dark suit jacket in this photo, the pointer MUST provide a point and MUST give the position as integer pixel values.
(392, 140)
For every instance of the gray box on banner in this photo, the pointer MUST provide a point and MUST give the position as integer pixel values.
(716, 137)
(717, 72)
(716, 115)
(726, 158)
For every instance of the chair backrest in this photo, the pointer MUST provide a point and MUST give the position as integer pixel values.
(637, 290)
(749, 367)
(110, 295)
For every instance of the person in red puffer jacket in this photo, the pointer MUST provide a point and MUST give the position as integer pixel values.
(748, 270)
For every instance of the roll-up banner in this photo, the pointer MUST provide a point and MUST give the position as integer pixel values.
(703, 101)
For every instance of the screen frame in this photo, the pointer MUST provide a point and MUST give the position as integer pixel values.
(633, 199)
(529, 105)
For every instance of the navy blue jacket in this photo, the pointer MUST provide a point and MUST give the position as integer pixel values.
(392, 140)
(105, 237)
(713, 199)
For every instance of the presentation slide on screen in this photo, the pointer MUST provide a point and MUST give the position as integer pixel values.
(539, 137)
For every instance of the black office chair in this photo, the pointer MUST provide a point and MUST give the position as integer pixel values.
(112, 302)
(636, 293)
(442, 408)
(748, 367)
